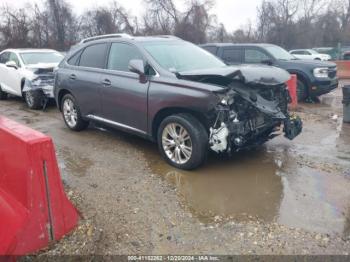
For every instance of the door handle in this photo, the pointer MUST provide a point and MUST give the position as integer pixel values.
(72, 77)
(106, 82)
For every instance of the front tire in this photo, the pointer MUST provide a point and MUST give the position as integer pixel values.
(71, 114)
(302, 91)
(183, 141)
(34, 99)
(3, 95)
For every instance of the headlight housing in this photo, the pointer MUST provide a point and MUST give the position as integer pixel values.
(321, 72)
(225, 99)
(36, 81)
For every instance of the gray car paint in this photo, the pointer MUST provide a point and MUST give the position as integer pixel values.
(129, 104)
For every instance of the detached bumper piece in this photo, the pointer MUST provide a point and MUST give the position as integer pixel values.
(292, 127)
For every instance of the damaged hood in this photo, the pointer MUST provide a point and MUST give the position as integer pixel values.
(248, 74)
(42, 66)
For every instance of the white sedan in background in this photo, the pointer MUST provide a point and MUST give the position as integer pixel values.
(28, 73)
(309, 54)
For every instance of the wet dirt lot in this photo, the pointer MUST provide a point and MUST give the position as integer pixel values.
(287, 197)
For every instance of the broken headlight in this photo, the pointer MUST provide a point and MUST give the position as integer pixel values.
(226, 99)
(36, 82)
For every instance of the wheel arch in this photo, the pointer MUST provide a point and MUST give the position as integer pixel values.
(23, 80)
(165, 112)
(301, 76)
(61, 94)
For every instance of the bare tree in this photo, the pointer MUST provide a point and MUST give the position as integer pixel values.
(15, 27)
(108, 19)
(289, 23)
(192, 24)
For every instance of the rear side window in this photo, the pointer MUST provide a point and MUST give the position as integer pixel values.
(255, 56)
(120, 56)
(4, 57)
(211, 49)
(74, 60)
(94, 56)
(232, 55)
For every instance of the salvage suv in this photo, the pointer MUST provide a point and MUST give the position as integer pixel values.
(173, 92)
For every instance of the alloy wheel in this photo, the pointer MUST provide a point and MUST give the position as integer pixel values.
(177, 143)
(29, 98)
(70, 113)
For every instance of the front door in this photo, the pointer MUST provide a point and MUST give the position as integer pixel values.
(10, 78)
(124, 96)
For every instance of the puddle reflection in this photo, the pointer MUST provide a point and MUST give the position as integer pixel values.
(246, 185)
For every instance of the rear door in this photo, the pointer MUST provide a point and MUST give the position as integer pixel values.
(84, 77)
(124, 96)
(211, 49)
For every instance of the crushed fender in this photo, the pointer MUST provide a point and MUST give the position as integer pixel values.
(252, 106)
(42, 79)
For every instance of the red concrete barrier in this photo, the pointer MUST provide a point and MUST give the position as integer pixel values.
(343, 71)
(292, 88)
(34, 209)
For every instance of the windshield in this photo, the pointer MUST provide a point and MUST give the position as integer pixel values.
(181, 56)
(41, 57)
(279, 53)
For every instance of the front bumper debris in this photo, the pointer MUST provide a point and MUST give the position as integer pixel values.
(292, 127)
(43, 83)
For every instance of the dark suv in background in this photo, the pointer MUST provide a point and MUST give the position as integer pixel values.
(173, 92)
(314, 77)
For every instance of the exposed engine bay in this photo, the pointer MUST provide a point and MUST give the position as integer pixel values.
(252, 108)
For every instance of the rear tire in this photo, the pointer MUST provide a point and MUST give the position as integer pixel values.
(72, 115)
(34, 99)
(3, 95)
(183, 141)
(302, 91)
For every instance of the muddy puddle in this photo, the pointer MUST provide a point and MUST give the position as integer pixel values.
(276, 183)
(74, 164)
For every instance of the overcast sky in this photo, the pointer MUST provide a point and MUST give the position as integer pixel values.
(232, 13)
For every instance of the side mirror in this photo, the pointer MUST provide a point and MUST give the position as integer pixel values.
(11, 64)
(137, 66)
(267, 62)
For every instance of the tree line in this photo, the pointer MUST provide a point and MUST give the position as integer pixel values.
(288, 23)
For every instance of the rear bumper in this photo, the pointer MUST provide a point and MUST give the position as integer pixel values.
(321, 87)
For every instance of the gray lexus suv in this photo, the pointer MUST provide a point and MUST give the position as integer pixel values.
(174, 93)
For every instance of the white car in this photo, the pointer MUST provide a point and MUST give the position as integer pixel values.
(28, 73)
(309, 54)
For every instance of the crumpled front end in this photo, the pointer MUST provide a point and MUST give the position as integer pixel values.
(250, 110)
(41, 79)
(251, 117)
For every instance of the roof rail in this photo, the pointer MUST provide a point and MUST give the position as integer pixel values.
(166, 36)
(98, 37)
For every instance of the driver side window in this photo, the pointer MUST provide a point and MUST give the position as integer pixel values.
(120, 56)
(255, 56)
(14, 58)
